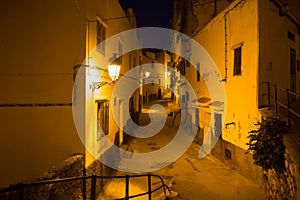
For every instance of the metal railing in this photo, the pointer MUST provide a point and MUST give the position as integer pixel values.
(19, 188)
(285, 100)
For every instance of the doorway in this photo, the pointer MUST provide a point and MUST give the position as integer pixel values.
(218, 125)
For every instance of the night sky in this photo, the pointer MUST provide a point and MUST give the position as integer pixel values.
(151, 12)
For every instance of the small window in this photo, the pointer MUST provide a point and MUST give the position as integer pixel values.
(197, 117)
(152, 64)
(102, 118)
(187, 63)
(183, 98)
(120, 50)
(187, 96)
(182, 67)
(198, 72)
(237, 61)
(291, 36)
(101, 37)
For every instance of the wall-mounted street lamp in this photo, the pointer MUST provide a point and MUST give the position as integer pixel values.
(147, 74)
(113, 73)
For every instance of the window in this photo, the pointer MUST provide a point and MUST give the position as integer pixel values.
(152, 64)
(187, 64)
(183, 98)
(131, 107)
(130, 60)
(198, 72)
(101, 36)
(291, 36)
(102, 118)
(120, 50)
(197, 117)
(292, 61)
(182, 67)
(187, 96)
(293, 79)
(237, 61)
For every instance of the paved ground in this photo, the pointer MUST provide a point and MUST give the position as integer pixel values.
(189, 177)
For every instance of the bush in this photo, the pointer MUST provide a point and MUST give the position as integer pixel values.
(266, 144)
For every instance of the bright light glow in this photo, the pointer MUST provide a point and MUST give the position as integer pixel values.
(147, 74)
(114, 71)
(91, 62)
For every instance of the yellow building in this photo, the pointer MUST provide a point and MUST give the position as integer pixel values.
(250, 41)
(41, 43)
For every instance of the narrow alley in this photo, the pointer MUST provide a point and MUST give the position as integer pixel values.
(189, 177)
(112, 100)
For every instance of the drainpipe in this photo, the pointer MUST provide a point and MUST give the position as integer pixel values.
(226, 47)
(226, 39)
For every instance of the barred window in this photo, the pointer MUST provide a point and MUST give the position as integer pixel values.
(237, 61)
(102, 118)
(101, 36)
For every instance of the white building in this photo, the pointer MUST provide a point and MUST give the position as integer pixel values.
(250, 41)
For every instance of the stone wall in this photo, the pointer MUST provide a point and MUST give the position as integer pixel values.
(282, 185)
(99, 169)
(286, 185)
(237, 159)
(71, 167)
(277, 185)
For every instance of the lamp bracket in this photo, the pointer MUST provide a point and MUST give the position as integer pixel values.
(96, 85)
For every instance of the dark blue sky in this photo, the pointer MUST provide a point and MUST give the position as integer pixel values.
(151, 12)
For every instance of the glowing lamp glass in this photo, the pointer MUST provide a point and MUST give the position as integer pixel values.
(114, 71)
(147, 74)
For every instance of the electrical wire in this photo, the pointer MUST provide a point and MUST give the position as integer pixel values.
(206, 3)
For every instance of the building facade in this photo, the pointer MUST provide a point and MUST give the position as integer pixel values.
(41, 44)
(251, 42)
(160, 80)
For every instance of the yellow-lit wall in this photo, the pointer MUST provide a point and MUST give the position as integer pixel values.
(104, 10)
(241, 91)
(41, 41)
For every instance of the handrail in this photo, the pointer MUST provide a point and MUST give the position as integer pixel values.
(93, 178)
(284, 89)
(277, 102)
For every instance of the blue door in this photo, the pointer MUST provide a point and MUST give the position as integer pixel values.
(218, 125)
